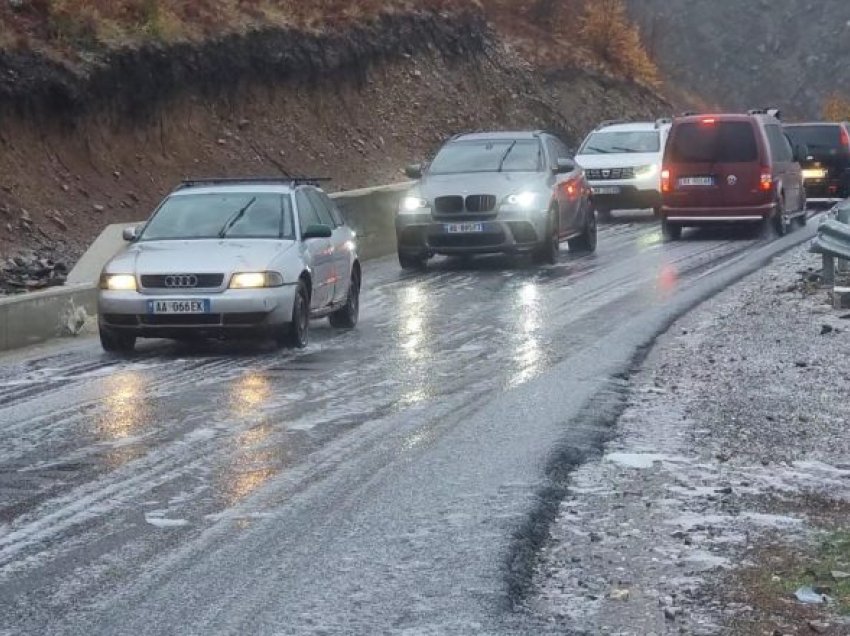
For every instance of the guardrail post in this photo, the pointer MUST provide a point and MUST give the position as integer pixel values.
(828, 270)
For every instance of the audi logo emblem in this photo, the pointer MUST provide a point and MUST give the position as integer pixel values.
(181, 281)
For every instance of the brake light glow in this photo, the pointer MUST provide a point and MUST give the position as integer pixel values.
(709, 121)
(665, 181)
(845, 137)
(766, 181)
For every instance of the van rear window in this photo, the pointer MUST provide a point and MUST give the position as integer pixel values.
(719, 142)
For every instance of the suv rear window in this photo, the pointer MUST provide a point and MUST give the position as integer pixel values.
(720, 142)
(817, 138)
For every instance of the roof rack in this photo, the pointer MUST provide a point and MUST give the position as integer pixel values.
(612, 122)
(770, 110)
(291, 181)
(689, 113)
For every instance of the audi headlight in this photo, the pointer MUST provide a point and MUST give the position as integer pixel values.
(118, 282)
(524, 200)
(256, 280)
(646, 171)
(412, 205)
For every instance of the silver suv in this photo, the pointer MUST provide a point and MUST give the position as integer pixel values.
(496, 192)
(232, 258)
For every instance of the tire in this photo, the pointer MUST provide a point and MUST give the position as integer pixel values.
(587, 241)
(346, 318)
(779, 220)
(802, 219)
(412, 262)
(670, 231)
(547, 253)
(116, 342)
(296, 334)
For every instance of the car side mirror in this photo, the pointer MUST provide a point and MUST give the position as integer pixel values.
(414, 171)
(565, 166)
(316, 232)
(130, 234)
(801, 152)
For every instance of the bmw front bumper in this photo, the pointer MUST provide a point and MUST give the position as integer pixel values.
(233, 312)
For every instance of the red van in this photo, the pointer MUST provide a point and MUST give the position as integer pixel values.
(733, 168)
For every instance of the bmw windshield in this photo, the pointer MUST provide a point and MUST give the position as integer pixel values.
(502, 155)
(244, 215)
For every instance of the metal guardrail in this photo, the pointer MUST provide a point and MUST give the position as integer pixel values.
(833, 241)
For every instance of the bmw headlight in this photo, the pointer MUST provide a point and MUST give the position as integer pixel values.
(256, 280)
(118, 282)
(523, 200)
(646, 171)
(412, 205)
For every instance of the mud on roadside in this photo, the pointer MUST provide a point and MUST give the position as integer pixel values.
(728, 486)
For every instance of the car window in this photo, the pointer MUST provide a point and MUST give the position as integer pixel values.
(321, 208)
(716, 142)
(619, 142)
(335, 213)
(214, 215)
(307, 214)
(780, 149)
(822, 141)
(501, 155)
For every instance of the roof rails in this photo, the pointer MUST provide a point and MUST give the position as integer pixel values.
(290, 181)
(612, 122)
(689, 113)
(663, 121)
(772, 111)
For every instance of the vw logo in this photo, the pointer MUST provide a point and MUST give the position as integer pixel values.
(181, 281)
(731, 179)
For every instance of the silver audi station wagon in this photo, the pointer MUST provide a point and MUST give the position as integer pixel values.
(232, 258)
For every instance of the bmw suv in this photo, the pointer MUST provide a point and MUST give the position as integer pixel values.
(498, 192)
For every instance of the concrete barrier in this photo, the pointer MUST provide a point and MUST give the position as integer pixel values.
(72, 309)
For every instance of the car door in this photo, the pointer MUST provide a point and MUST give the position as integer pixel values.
(786, 170)
(339, 268)
(344, 247)
(567, 187)
(317, 253)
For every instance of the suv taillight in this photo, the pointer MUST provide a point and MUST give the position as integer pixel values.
(766, 180)
(665, 181)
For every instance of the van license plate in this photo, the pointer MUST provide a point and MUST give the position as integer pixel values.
(172, 307)
(696, 181)
(464, 228)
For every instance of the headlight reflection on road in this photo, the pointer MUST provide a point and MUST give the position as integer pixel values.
(255, 460)
(528, 352)
(247, 394)
(124, 406)
(414, 339)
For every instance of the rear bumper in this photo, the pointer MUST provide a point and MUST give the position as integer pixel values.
(700, 216)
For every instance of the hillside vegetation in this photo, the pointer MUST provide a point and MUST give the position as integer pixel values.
(594, 34)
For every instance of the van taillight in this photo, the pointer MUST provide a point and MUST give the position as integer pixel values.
(766, 181)
(665, 181)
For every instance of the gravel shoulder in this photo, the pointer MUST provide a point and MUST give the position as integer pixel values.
(728, 483)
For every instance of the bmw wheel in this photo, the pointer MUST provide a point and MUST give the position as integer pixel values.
(548, 252)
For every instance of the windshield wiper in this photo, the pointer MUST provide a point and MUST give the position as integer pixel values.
(233, 220)
(505, 156)
(623, 149)
(601, 151)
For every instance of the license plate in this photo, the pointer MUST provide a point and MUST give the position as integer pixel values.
(687, 182)
(464, 228)
(179, 306)
(814, 173)
(607, 190)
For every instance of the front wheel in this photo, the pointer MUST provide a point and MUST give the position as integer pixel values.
(116, 342)
(547, 253)
(297, 334)
(779, 220)
(346, 318)
(586, 242)
(414, 262)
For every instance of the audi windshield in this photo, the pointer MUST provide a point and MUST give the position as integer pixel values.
(248, 215)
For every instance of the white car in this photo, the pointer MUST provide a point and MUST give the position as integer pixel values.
(227, 258)
(622, 162)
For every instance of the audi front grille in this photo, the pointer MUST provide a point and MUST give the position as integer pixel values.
(182, 281)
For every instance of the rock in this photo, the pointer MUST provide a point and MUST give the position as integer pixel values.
(825, 329)
(838, 575)
(801, 365)
(97, 207)
(818, 627)
(619, 595)
(671, 613)
(243, 124)
(595, 537)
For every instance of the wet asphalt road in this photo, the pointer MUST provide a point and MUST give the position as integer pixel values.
(382, 481)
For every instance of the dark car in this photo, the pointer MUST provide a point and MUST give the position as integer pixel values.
(731, 169)
(500, 192)
(826, 167)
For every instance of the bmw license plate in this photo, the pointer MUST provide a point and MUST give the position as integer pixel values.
(606, 190)
(179, 306)
(688, 182)
(464, 228)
